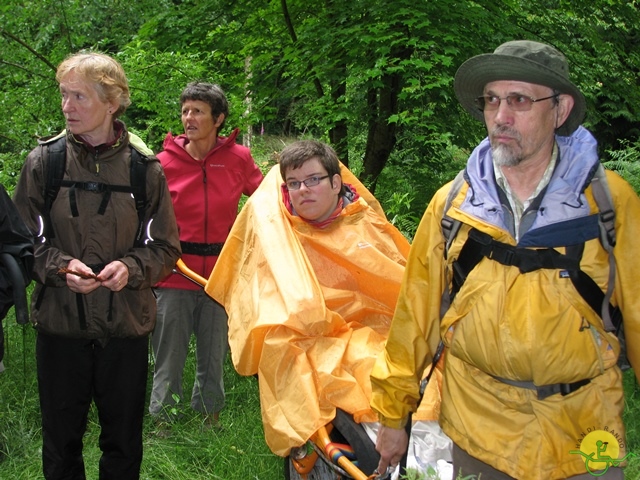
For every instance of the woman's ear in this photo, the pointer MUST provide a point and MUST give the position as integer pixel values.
(336, 182)
(218, 121)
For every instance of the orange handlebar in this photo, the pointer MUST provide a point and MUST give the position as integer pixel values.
(321, 437)
(182, 268)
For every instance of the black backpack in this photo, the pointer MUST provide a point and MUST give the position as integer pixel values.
(480, 245)
(55, 179)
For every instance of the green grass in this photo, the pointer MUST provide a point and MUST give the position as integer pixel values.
(190, 452)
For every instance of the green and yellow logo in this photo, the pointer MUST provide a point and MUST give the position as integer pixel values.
(600, 450)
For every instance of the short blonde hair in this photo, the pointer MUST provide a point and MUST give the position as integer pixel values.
(104, 72)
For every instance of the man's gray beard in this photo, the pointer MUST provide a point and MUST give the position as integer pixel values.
(504, 156)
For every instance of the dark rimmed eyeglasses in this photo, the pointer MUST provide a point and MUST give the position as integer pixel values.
(516, 102)
(308, 182)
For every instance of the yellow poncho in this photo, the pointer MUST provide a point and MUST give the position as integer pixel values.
(309, 309)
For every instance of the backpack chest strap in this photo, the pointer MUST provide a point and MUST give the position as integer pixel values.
(479, 245)
(95, 187)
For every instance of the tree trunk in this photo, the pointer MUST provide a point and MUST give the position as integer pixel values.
(338, 134)
(381, 138)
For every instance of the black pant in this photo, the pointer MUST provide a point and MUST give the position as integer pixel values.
(72, 373)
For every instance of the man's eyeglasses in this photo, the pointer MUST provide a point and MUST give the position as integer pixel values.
(309, 182)
(517, 102)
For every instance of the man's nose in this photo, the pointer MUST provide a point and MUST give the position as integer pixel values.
(504, 113)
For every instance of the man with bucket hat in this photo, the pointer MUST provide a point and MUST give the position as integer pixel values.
(498, 273)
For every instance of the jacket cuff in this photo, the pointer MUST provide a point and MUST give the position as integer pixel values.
(398, 423)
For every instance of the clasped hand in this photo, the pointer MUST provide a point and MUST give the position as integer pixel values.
(113, 276)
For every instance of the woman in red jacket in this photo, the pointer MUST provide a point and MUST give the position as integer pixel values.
(207, 174)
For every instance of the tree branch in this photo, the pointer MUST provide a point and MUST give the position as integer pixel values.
(66, 25)
(10, 36)
(287, 21)
(22, 68)
(294, 38)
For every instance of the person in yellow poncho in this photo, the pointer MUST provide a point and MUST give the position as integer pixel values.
(309, 276)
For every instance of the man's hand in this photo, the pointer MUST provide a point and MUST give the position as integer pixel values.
(392, 443)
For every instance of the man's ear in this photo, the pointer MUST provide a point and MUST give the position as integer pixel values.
(565, 105)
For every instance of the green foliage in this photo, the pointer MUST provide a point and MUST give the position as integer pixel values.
(626, 162)
(410, 180)
(430, 474)
(631, 417)
(374, 81)
(398, 210)
(156, 80)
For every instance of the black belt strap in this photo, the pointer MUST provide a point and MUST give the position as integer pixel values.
(545, 391)
(202, 249)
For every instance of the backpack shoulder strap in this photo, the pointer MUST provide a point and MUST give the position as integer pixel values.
(607, 223)
(449, 225)
(138, 180)
(602, 196)
(54, 173)
(450, 228)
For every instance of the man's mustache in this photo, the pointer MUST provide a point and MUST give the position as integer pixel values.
(505, 131)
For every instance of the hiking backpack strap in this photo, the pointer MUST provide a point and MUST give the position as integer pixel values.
(528, 259)
(138, 179)
(56, 162)
(612, 317)
(607, 223)
(480, 245)
(450, 228)
(449, 225)
(55, 179)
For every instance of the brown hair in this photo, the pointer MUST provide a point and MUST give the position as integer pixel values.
(297, 153)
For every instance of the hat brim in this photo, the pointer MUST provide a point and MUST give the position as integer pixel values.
(475, 73)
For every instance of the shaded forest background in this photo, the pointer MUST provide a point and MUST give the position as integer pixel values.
(374, 78)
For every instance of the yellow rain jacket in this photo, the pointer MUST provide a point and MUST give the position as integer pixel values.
(309, 309)
(530, 326)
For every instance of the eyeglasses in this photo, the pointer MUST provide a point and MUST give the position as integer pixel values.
(309, 182)
(517, 102)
